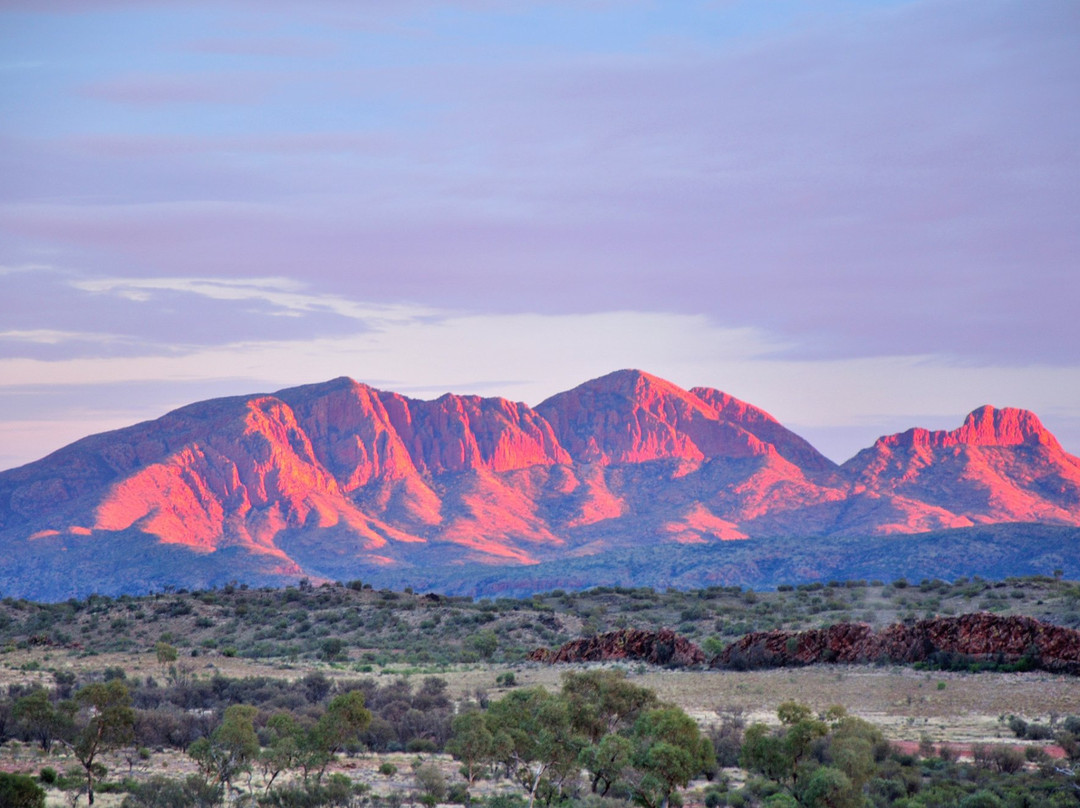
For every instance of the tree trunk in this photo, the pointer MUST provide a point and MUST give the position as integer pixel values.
(536, 783)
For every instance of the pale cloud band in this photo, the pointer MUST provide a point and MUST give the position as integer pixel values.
(530, 356)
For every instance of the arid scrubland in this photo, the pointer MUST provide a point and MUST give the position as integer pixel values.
(420, 660)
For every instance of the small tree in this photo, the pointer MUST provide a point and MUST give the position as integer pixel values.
(669, 751)
(431, 783)
(820, 762)
(345, 718)
(40, 718)
(604, 701)
(607, 761)
(534, 737)
(471, 743)
(230, 749)
(106, 721)
(166, 654)
(333, 648)
(485, 643)
(284, 748)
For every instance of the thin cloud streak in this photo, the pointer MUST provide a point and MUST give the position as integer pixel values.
(286, 295)
(462, 354)
(45, 336)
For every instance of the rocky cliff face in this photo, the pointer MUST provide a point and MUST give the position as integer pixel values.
(999, 466)
(979, 637)
(332, 479)
(663, 647)
(976, 637)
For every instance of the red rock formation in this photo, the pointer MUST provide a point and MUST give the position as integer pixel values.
(766, 428)
(1000, 466)
(631, 417)
(663, 647)
(462, 433)
(332, 477)
(980, 637)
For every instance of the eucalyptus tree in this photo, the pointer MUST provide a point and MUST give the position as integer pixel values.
(104, 720)
(534, 737)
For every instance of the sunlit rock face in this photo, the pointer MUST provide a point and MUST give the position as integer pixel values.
(331, 479)
(1001, 465)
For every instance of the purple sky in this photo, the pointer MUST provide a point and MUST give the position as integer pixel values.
(860, 216)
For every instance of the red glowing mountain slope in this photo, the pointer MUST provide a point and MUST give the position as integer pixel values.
(1001, 465)
(332, 479)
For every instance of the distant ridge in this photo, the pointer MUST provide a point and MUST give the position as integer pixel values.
(339, 480)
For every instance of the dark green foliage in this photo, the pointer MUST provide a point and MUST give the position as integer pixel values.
(42, 720)
(20, 791)
(668, 751)
(336, 791)
(472, 743)
(165, 792)
(850, 765)
(625, 742)
(333, 648)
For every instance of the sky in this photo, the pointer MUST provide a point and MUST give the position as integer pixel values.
(859, 216)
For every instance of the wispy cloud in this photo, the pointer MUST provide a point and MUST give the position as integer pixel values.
(444, 351)
(286, 296)
(26, 268)
(45, 336)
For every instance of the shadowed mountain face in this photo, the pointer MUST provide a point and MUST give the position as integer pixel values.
(335, 479)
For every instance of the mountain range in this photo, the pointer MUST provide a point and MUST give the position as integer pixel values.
(340, 481)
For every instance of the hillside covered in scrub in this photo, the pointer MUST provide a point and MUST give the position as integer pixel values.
(355, 623)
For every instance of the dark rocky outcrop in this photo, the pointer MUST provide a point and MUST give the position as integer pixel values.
(663, 647)
(979, 637)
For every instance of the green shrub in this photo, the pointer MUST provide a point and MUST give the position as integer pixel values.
(20, 791)
(458, 794)
(982, 799)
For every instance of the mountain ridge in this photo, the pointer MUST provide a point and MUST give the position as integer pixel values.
(338, 478)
